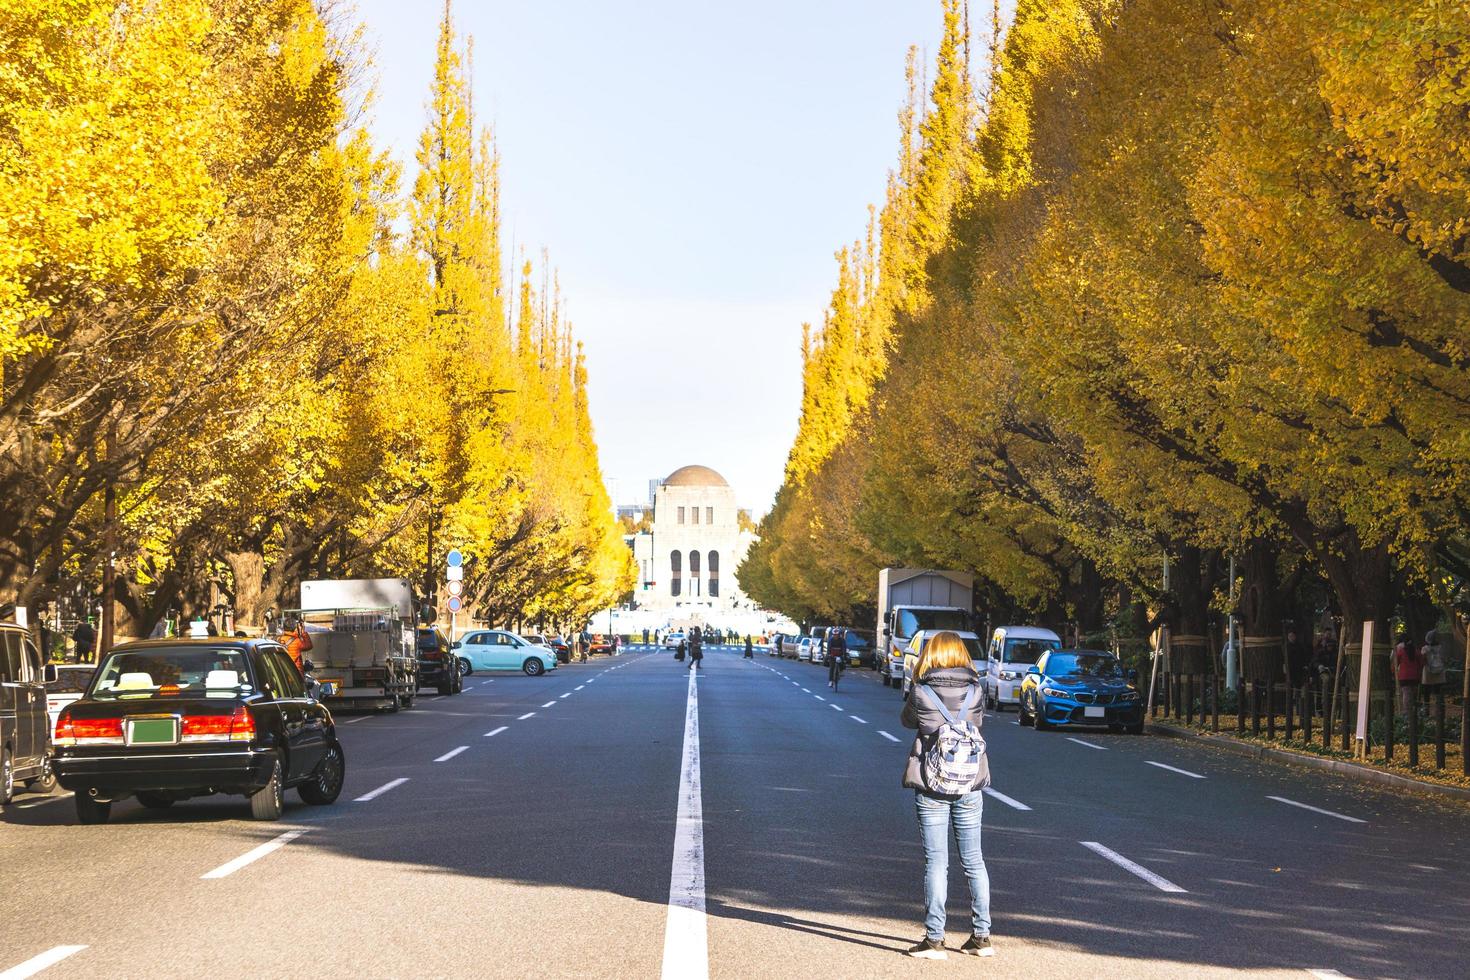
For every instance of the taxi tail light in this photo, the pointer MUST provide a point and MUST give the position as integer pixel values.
(84, 731)
(242, 725)
(236, 727)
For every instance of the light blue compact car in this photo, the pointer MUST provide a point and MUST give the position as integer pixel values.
(499, 650)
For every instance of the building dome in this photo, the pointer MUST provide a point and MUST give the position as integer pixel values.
(695, 476)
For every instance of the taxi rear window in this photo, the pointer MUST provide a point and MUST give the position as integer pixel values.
(169, 672)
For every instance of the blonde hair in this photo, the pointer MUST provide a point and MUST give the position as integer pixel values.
(943, 649)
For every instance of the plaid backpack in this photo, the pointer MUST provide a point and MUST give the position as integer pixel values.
(952, 761)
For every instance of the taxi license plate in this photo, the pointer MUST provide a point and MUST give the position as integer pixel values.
(153, 731)
(1094, 712)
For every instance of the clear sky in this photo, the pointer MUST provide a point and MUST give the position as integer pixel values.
(692, 168)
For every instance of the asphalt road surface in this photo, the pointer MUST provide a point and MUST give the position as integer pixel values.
(613, 819)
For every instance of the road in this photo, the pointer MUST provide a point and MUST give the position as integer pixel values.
(612, 819)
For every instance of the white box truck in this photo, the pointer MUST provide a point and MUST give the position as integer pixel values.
(913, 599)
(362, 640)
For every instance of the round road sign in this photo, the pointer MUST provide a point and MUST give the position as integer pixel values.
(454, 603)
(456, 586)
(455, 559)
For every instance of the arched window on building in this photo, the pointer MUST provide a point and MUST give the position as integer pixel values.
(714, 574)
(694, 573)
(675, 572)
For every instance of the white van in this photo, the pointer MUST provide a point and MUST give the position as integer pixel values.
(1013, 649)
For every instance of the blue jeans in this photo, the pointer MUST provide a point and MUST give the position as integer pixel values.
(936, 815)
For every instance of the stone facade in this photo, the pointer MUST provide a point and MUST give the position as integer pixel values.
(687, 563)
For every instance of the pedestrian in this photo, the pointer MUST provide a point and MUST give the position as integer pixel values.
(85, 639)
(645, 636)
(947, 769)
(779, 651)
(696, 649)
(749, 648)
(680, 650)
(297, 642)
(1296, 660)
(836, 656)
(1407, 665)
(1435, 668)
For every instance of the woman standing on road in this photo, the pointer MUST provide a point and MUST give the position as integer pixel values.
(947, 769)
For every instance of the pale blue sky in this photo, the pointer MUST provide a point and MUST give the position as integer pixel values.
(692, 167)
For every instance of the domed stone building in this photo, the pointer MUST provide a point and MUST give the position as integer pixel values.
(687, 563)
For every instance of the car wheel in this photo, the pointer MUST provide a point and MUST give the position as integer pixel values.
(466, 669)
(44, 783)
(457, 683)
(89, 811)
(155, 801)
(444, 687)
(533, 667)
(325, 784)
(1038, 720)
(268, 802)
(7, 777)
(405, 701)
(887, 681)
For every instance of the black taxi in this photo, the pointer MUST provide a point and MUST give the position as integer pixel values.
(167, 720)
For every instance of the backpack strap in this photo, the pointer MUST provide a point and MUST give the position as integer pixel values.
(937, 702)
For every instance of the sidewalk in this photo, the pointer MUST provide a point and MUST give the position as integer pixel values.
(1292, 754)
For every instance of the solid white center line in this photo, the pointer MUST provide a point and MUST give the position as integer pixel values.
(1316, 809)
(496, 732)
(860, 721)
(1088, 744)
(886, 735)
(528, 714)
(451, 754)
(250, 857)
(1182, 772)
(391, 784)
(1161, 883)
(1008, 801)
(549, 704)
(36, 964)
(686, 933)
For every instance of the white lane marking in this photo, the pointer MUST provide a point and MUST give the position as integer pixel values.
(353, 721)
(1016, 722)
(451, 754)
(860, 721)
(36, 964)
(803, 690)
(819, 697)
(887, 736)
(1008, 801)
(43, 801)
(251, 856)
(1182, 772)
(528, 714)
(1325, 974)
(835, 707)
(686, 933)
(549, 704)
(497, 731)
(437, 697)
(567, 695)
(1161, 883)
(1316, 809)
(1088, 744)
(391, 784)
(580, 686)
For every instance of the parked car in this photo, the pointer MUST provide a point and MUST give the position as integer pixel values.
(804, 648)
(168, 720)
(860, 649)
(25, 750)
(501, 650)
(915, 649)
(783, 645)
(70, 684)
(819, 644)
(1013, 649)
(561, 648)
(1081, 687)
(438, 667)
(603, 645)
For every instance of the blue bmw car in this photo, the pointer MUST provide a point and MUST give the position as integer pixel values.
(1081, 687)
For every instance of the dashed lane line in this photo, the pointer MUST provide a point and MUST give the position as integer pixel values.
(497, 731)
(1014, 804)
(1090, 745)
(1316, 809)
(38, 963)
(251, 856)
(528, 714)
(804, 690)
(860, 721)
(835, 707)
(1158, 881)
(817, 696)
(390, 785)
(452, 753)
(549, 704)
(567, 695)
(1182, 772)
(353, 721)
(886, 735)
(580, 686)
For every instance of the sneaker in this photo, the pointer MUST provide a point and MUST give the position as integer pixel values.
(978, 946)
(928, 949)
